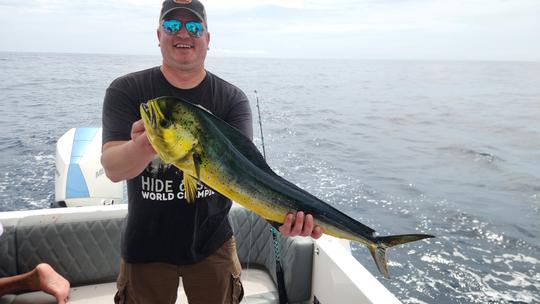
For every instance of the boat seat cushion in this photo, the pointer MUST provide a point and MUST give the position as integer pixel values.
(84, 252)
(258, 285)
(255, 248)
(85, 249)
(8, 252)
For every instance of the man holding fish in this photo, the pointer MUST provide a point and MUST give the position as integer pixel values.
(166, 236)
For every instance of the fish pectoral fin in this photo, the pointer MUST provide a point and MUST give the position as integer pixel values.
(190, 188)
(197, 164)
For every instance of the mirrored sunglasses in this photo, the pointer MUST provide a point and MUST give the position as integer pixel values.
(173, 26)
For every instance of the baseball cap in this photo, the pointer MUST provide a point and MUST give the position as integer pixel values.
(194, 6)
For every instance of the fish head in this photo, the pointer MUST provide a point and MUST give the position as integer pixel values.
(170, 127)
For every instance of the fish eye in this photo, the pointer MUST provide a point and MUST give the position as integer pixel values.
(165, 123)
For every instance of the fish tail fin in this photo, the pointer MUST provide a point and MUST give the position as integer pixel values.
(379, 255)
(378, 248)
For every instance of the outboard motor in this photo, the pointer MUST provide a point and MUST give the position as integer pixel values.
(80, 179)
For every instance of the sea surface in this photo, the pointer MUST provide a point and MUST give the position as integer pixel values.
(446, 148)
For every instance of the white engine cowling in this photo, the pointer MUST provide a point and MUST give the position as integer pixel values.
(79, 178)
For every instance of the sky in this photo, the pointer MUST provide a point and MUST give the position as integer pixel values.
(501, 30)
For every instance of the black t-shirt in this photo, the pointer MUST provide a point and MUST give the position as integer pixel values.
(161, 225)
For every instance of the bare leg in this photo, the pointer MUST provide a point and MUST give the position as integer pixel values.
(15, 283)
(43, 277)
(46, 279)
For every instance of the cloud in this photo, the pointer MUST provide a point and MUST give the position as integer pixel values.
(453, 29)
(82, 8)
(249, 4)
(393, 15)
(345, 28)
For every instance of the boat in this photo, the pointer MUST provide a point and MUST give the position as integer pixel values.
(83, 244)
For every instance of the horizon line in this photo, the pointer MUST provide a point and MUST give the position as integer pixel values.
(210, 55)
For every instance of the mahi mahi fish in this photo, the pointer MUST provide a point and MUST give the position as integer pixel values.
(209, 150)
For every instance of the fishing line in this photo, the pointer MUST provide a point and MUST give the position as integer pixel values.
(250, 245)
(251, 213)
(282, 292)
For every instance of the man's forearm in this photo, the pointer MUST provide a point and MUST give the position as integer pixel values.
(123, 160)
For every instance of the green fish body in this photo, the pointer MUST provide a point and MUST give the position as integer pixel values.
(210, 151)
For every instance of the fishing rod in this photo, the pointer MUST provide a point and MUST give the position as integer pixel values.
(260, 123)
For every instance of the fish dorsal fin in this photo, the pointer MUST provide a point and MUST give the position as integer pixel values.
(190, 188)
(247, 148)
(200, 106)
(241, 143)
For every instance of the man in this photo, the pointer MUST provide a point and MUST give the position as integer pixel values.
(43, 278)
(166, 237)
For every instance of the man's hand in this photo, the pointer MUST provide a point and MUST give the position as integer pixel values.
(123, 160)
(303, 226)
(138, 136)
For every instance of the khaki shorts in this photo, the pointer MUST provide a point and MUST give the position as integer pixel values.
(214, 280)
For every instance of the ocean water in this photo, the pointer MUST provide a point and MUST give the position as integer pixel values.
(446, 148)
